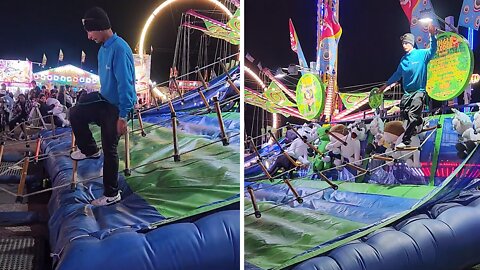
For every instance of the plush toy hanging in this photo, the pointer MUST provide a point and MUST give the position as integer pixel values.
(393, 135)
(319, 162)
(470, 136)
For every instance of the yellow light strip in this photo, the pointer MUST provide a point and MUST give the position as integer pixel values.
(160, 8)
(254, 76)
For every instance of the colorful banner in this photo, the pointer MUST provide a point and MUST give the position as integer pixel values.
(310, 96)
(415, 10)
(329, 32)
(350, 100)
(450, 71)
(295, 45)
(60, 55)
(275, 94)
(408, 6)
(68, 75)
(470, 14)
(217, 31)
(44, 60)
(253, 98)
(15, 73)
(234, 22)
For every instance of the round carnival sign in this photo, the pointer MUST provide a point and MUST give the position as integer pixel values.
(310, 96)
(450, 70)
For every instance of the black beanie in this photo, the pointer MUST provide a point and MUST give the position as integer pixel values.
(96, 19)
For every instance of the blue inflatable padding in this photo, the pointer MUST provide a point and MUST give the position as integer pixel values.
(199, 124)
(12, 157)
(86, 237)
(18, 218)
(15, 179)
(358, 207)
(179, 246)
(448, 241)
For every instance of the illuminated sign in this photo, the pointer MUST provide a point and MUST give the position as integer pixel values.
(310, 95)
(70, 75)
(15, 73)
(450, 70)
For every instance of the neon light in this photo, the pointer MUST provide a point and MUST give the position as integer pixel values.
(470, 37)
(160, 8)
(274, 120)
(255, 77)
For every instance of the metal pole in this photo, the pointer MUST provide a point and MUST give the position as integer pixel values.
(254, 203)
(229, 79)
(140, 122)
(200, 91)
(220, 122)
(305, 141)
(23, 178)
(2, 147)
(295, 193)
(282, 150)
(174, 80)
(330, 183)
(41, 117)
(176, 155)
(37, 149)
(127, 171)
(259, 161)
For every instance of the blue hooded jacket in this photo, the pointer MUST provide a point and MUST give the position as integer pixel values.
(413, 68)
(116, 69)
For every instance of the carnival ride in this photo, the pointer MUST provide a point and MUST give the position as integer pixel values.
(179, 180)
(337, 194)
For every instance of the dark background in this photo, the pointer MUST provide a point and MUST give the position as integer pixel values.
(29, 28)
(369, 48)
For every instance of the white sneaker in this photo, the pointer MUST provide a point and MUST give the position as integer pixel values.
(104, 200)
(78, 155)
(401, 145)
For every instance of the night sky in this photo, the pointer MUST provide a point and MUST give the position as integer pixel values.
(30, 28)
(369, 48)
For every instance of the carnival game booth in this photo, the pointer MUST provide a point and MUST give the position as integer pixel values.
(68, 75)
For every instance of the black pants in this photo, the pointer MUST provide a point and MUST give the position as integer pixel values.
(17, 120)
(411, 107)
(93, 108)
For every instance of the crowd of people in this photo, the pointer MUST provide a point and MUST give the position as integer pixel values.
(16, 108)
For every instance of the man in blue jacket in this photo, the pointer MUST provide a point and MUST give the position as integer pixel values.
(109, 108)
(413, 72)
